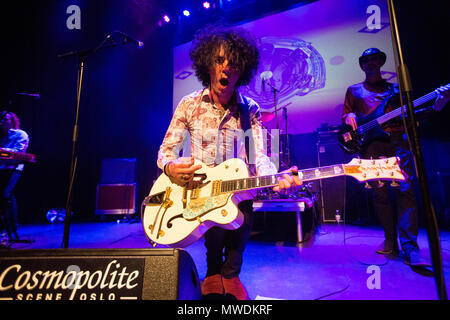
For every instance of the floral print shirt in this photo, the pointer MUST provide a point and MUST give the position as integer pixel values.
(215, 135)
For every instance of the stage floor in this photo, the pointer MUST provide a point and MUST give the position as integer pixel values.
(337, 263)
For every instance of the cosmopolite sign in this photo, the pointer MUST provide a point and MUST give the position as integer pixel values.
(72, 279)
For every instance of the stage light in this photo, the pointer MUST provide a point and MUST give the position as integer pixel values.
(166, 18)
(206, 5)
(186, 13)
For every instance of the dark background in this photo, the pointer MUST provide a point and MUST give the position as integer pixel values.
(127, 93)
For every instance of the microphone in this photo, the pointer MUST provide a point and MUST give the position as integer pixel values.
(266, 75)
(37, 96)
(138, 43)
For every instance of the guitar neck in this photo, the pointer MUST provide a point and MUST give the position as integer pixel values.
(272, 180)
(397, 112)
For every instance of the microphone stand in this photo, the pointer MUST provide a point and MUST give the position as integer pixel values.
(287, 148)
(430, 217)
(82, 56)
(274, 90)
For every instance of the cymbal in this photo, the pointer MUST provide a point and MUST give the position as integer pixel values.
(267, 116)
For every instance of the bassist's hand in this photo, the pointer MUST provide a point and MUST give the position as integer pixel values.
(443, 97)
(288, 183)
(181, 170)
(350, 120)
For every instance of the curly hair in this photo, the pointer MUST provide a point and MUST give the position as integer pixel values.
(239, 46)
(15, 122)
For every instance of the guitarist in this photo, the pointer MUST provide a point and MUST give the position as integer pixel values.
(11, 139)
(223, 59)
(362, 99)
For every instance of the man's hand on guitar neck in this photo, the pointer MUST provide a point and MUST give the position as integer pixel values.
(443, 97)
(289, 183)
(181, 170)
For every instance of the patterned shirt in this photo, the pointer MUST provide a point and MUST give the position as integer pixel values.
(215, 136)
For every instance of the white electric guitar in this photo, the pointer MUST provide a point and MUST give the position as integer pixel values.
(177, 216)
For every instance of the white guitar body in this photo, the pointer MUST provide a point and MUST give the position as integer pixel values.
(200, 214)
(177, 216)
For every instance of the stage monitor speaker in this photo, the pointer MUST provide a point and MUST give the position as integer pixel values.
(332, 190)
(98, 274)
(116, 199)
(118, 171)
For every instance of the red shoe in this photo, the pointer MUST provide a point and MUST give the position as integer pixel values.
(212, 285)
(234, 287)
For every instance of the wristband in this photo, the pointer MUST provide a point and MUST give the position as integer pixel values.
(164, 169)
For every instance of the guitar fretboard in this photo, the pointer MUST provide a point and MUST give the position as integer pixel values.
(395, 113)
(272, 180)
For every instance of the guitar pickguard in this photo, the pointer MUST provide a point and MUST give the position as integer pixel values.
(198, 207)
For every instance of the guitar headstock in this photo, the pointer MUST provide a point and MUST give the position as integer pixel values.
(379, 169)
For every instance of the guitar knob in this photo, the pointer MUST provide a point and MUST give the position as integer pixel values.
(380, 184)
(367, 186)
(395, 184)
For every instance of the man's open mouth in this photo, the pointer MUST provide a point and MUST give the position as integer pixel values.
(224, 82)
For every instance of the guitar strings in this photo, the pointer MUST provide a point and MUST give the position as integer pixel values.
(374, 123)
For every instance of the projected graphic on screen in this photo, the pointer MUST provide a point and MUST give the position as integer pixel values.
(294, 67)
(309, 55)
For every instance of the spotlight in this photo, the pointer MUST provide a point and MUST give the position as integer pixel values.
(166, 18)
(186, 13)
(206, 5)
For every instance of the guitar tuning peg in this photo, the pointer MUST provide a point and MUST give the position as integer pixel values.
(367, 186)
(380, 184)
(395, 184)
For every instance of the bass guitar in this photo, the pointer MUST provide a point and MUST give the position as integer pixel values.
(370, 126)
(177, 216)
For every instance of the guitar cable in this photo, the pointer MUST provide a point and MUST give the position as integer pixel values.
(357, 236)
(347, 251)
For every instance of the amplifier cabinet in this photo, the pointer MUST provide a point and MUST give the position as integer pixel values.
(116, 199)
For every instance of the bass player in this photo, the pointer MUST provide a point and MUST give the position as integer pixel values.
(362, 99)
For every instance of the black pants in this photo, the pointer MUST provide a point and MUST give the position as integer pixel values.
(407, 213)
(225, 248)
(8, 203)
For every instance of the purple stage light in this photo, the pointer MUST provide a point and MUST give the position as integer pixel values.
(206, 5)
(166, 18)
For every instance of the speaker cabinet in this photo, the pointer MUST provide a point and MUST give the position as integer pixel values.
(116, 191)
(104, 274)
(116, 171)
(116, 199)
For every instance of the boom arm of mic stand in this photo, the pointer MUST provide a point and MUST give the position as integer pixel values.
(431, 221)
